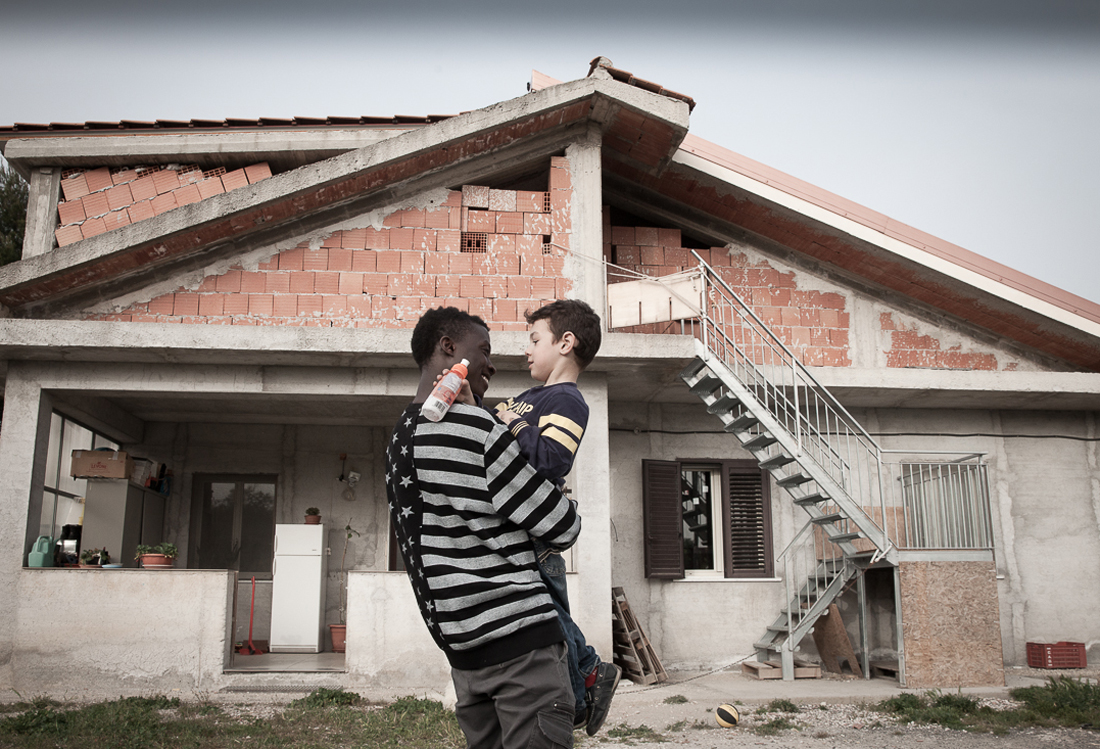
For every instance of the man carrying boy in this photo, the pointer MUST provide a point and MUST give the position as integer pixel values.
(548, 422)
(465, 507)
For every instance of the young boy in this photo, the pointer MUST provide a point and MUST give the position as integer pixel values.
(548, 422)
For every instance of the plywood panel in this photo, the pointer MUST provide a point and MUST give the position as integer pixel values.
(951, 624)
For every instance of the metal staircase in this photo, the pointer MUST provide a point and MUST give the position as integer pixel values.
(797, 431)
(861, 507)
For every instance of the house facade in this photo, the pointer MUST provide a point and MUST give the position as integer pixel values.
(799, 404)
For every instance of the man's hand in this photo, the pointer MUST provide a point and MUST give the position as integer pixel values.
(507, 416)
(465, 394)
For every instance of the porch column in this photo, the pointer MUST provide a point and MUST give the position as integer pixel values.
(585, 262)
(590, 590)
(23, 446)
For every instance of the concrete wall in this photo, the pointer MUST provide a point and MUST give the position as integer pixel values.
(137, 631)
(1043, 475)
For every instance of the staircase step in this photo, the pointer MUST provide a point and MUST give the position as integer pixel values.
(831, 517)
(706, 384)
(766, 646)
(842, 537)
(692, 369)
(811, 499)
(776, 461)
(742, 422)
(795, 479)
(723, 405)
(760, 440)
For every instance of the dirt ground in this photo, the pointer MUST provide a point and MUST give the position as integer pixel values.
(834, 711)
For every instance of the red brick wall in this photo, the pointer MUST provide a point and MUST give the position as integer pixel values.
(98, 200)
(910, 349)
(386, 278)
(814, 324)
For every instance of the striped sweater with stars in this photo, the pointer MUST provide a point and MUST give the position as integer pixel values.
(465, 505)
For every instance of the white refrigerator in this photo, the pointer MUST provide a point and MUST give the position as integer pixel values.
(298, 589)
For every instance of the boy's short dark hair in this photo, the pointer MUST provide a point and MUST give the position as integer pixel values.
(572, 316)
(437, 323)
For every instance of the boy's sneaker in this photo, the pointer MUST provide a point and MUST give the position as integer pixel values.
(599, 695)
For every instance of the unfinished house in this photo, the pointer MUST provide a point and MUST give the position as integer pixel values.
(817, 435)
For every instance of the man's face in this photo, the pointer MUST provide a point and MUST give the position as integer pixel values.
(476, 348)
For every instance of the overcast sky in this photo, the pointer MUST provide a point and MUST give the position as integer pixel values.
(975, 121)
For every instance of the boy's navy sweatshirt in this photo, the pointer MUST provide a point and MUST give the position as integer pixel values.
(551, 424)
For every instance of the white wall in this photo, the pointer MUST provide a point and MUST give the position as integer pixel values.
(134, 630)
(1046, 519)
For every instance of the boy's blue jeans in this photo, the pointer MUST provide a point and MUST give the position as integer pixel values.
(582, 657)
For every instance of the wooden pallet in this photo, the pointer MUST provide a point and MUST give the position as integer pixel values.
(774, 669)
(633, 653)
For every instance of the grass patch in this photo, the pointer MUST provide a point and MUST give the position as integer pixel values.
(327, 720)
(629, 733)
(782, 706)
(676, 699)
(677, 726)
(774, 726)
(1061, 702)
(324, 697)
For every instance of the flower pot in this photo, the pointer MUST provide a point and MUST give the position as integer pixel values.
(313, 519)
(339, 634)
(155, 562)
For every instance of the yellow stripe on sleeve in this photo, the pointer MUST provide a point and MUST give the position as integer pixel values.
(560, 437)
(562, 422)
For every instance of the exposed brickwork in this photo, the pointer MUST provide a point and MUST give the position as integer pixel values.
(99, 200)
(386, 278)
(911, 349)
(814, 324)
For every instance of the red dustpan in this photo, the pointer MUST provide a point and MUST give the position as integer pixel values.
(250, 648)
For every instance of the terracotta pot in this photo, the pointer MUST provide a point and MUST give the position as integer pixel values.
(313, 519)
(155, 561)
(339, 634)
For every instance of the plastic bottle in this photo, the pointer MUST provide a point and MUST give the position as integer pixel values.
(438, 403)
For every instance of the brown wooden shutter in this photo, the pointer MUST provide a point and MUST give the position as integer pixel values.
(664, 542)
(748, 507)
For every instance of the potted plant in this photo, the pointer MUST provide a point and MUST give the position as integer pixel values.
(313, 516)
(159, 557)
(339, 632)
(94, 557)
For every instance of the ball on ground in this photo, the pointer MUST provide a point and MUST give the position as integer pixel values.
(727, 715)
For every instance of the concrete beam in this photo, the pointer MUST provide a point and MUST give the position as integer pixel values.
(43, 195)
(282, 150)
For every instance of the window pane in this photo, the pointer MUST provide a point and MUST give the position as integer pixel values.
(54, 450)
(257, 528)
(101, 441)
(45, 526)
(216, 549)
(73, 437)
(698, 514)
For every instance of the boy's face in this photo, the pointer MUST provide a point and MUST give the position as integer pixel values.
(543, 352)
(475, 347)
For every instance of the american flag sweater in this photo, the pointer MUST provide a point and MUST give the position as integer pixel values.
(465, 505)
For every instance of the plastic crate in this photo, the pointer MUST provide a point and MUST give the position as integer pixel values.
(1058, 655)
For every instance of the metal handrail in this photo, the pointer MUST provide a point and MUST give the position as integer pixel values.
(824, 430)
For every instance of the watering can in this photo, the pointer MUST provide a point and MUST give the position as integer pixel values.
(41, 554)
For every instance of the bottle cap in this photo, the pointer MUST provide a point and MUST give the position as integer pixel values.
(460, 369)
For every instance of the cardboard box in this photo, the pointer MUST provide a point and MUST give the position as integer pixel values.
(101, 464)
